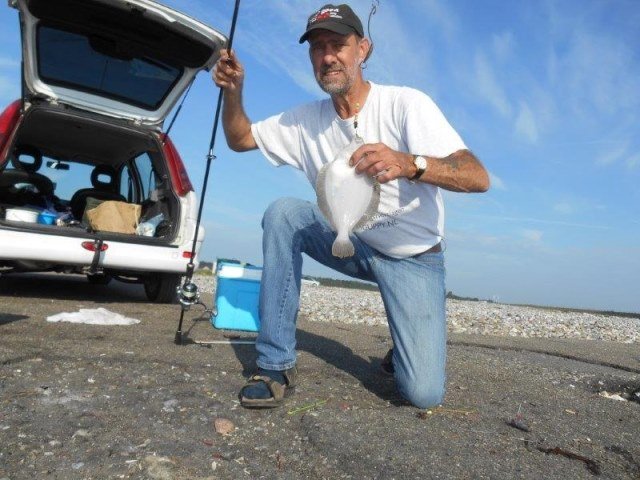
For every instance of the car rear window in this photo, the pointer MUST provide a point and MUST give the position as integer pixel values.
(103, 66)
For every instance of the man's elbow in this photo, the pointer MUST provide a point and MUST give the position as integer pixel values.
(238, 147)
(482, 182)
(242, 144)
(477, 176)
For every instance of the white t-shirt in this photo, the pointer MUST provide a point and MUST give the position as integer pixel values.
(410, 218)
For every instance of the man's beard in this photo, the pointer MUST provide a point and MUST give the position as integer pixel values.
(336, 86)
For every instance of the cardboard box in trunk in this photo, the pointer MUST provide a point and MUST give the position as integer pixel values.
(114, 216)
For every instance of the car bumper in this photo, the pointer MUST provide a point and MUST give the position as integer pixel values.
(69, 251)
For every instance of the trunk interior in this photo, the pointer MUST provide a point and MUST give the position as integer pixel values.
(64, 163)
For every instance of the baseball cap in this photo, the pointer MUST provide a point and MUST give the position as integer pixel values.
(336, 18)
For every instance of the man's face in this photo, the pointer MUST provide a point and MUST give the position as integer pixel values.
(335, 59)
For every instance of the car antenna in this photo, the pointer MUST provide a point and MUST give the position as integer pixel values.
(177, 112)
(188, 293)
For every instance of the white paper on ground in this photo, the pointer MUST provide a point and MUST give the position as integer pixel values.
(93, 316)
(612, 396)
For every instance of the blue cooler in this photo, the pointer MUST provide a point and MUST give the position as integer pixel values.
(237, 295)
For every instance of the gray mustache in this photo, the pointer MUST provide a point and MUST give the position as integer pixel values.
(329, 70)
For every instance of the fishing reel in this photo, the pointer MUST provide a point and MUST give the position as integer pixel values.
(188, 294)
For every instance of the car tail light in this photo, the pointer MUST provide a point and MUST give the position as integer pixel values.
(8, 123)
(179, 178)
(91, 246)
(186, 254)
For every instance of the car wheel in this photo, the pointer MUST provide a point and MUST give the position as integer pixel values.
(161, 288)
(99, 279)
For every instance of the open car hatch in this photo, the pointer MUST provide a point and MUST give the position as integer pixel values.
(129, 59)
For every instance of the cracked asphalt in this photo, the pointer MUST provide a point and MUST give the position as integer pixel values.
(95, 402)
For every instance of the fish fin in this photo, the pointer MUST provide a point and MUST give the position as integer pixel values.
(321, 196)
(372, 208)
(342, 247)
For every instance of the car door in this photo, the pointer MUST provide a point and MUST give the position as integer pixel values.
(125, 59)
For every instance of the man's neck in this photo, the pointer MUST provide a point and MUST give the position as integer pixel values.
(349, 104)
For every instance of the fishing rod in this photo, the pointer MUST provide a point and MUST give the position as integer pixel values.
(374, 8)
(188, 294)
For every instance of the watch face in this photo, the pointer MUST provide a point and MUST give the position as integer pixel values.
(420, 163)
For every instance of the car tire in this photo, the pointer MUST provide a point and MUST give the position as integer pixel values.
(161, 288)
(99, 279)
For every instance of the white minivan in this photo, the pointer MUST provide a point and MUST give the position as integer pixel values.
(99, 79)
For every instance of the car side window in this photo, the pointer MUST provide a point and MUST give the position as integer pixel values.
(126, 185)
(146, 175)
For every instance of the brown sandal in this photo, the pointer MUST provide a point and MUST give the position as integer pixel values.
(278, 391)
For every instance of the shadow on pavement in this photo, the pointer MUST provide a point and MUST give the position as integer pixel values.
(343, 358)
(68, 287)
(6, 318)
(336, 354)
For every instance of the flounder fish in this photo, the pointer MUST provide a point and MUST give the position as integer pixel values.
(347, 199)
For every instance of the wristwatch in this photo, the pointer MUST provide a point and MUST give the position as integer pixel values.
(421, 166)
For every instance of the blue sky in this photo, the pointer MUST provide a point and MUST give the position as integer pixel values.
(546, 93)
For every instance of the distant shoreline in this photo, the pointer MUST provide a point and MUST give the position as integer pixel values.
(609, 313)
(359, 285)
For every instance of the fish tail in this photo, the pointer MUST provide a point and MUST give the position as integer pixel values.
(342, 247)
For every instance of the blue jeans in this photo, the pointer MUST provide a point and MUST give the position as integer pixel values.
(412, 290)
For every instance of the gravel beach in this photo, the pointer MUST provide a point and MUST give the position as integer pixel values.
(86, 401)
(352, 306)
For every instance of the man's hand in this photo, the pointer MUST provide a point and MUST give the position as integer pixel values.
(228, 72)
(459, 172)
(379, 161)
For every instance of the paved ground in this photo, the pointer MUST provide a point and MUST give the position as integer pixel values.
(80, 401)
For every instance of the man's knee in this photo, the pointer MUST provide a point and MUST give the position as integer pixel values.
(423, 393)
(280, 212)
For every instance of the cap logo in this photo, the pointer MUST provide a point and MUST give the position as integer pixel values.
(325, 14)
(339, 19)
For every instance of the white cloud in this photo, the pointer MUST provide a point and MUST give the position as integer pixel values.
(563, 208)
(612, 156)
(599, 72)
(534, 236)
(543, 106)
(396, 46)
(526, 126)
(592, 70)
(552, 66)
(633, 161)
(522, 220)
(472, 237)
(489, 87)
(257, 37)
(503, 44)
(496, 182)
(9, 89)
(438, 16)
(6, 62)
(275, 43)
